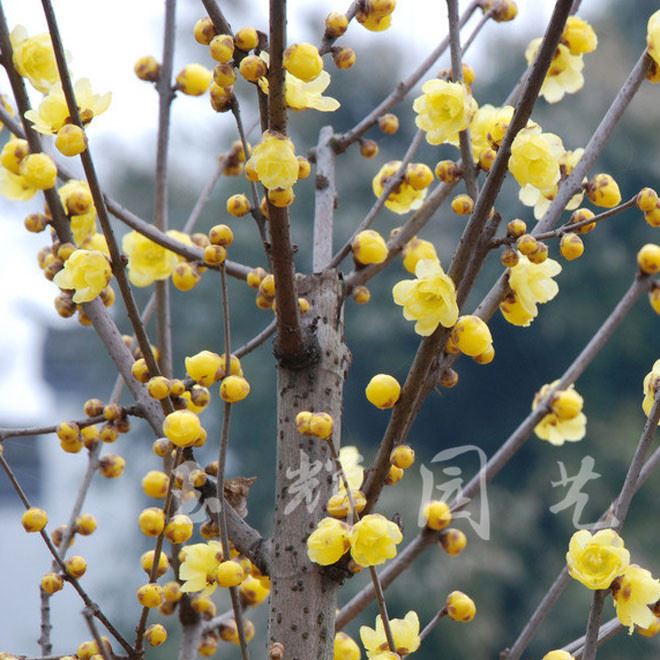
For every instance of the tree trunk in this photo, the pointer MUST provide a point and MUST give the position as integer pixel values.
(303, 596)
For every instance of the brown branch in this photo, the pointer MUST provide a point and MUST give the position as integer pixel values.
(608, 630)
(102, 649)
(257, 340)
(215, 14)
(430, 626)
(292, 346)
(469, 170)
(165, 97)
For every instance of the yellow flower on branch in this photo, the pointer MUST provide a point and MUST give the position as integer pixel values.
(488, 126)
(564, 75)
(444, 109)
(53, 112)
(634, 590)
(596, 561)
(532, 284)
(374, 539)
(404, 197)
(329, 542)
(147, 261)
(351, 463)
(15, 187)
(87, 272)
(199, 567)
(579, 36)
(557, 427)
(535, 158)
(653, 37)
(651, 382)
(274, 161)
(430, 299)
(34, 58)
(405, 633)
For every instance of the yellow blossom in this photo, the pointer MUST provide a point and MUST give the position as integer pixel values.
(564, 75)
(430, 300)
(34, 58)
(39, 171)
(350, 460)
(405, 633)
(416, 249)
(653, 37)
(633, 592)
(404, 197)
(556, 428)
(96, 242)
(329, 542)
(533, 283)
(53, 112)
(13, 152)
(344, 648)
(274, 161)
(87, 272)
(558, 655)
(596, 560)
(651, 381)
(199, 567)
(444, 109)
(374, 539)
(535, 159)
(486, 126)
(579, 36)
(14, 186)
(301, 95)
(147, 261)
(303, 61)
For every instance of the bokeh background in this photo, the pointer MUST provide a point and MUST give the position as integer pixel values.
(49, 367)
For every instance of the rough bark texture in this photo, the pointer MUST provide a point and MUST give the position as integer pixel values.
(303, 597)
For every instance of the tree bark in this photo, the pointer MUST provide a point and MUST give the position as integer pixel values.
(303, 595)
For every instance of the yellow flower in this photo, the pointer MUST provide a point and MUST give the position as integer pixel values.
(415, 250)
(596, 560)
(579, 36)
(147, 261)
(301, 95)
(443, 110)
(303, 61)
(430, 299)
(535, 159)
(14, 186)
(53, 112)
(39, 171)
(533, 283)
(633, 592)
(374, 539)
(255, 590)
(77, 201)
(514, 312)
(404, 197)
(34, 58)
(96, 242)
(274, 160)
(369, 247)
(405, 633)
(487, 127)
(87, 272)
(344, 648)
(471, 335)
(329, 542)
(653, 37)
(200, 566)
(350, 460)
(651, 381)
(558, 655)
(558, 429)
(564, 75)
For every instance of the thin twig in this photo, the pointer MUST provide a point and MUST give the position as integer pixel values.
(328, 41)
(608, 630)
(593, 625)
(53, 551)
(428, 628)
(257, 340)
(469, 171)
(220, 484)
(165, 97)
(389, 187)
(89, 617)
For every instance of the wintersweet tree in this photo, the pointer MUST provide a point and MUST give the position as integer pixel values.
(344, 534)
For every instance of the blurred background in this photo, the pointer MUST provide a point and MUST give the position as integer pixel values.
(49, 366)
